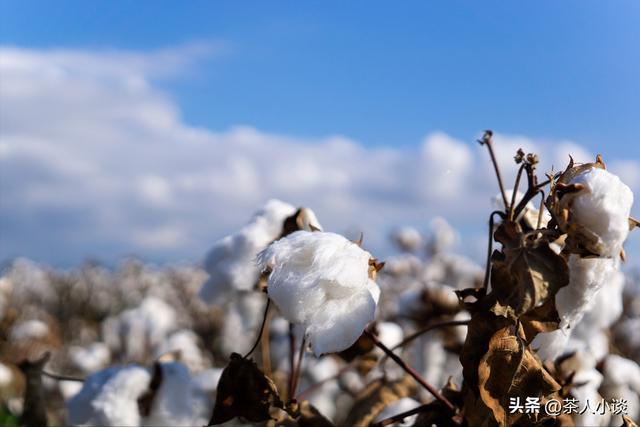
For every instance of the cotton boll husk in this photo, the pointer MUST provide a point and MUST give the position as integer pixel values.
(401, 405)
(407, 239)
(603, 207)
(91, 358)
(231, 262)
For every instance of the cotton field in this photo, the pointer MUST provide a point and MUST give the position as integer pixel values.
(287, 323)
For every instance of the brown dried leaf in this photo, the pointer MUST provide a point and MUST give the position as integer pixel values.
(510, 370)
(628, 422)
(528, 275)
(305, 415)
(544, 318)
(375, 397)
(243, 390)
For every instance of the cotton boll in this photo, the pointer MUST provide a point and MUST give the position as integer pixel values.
(68, 389)
(622, 381)
(408, 239)
(231, 262)
(6, 376)
(321, 280)
(29, 330)
(390, 334)
(399, 406)
(203, 390)
(443, 235)
(340, 322)
(172, 404)
(242, 317)
(185, 342)
(549, 345)
(145, 326)
(603, 208)
(109, 397)
(90, 359)
(402, 265)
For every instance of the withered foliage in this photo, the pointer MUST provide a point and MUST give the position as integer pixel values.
(244, 391)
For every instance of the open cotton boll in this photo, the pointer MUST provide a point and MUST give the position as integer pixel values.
(91, 358)
(231, 261)
(603, 207)
(443, 235)
(109, 397)
(6, 376)
(185, 342)
(29, 330)
(408, 239)
(586, 278)
(321, 280)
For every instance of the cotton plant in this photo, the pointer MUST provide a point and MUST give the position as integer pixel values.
(595, 213)
(324, 282)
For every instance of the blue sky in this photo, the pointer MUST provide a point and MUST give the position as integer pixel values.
(365, 111)
(377, 72)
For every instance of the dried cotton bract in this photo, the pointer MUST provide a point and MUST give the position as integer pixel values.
(322, 281)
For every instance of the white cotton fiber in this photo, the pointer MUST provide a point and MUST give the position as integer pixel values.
(321, 280)
(231, 261)
(603, 207)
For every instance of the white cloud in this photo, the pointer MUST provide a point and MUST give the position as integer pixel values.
(95, 161)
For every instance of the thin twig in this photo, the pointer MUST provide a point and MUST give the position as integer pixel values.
(487, 268)
(401, 416)
(515, 192)
(408, 369)
(292, 358)
(265, 348)
(298, 369)
(62, 377)
(488, 141)
(541, 210)
(306, 392)
(424, 330)
(264, 320)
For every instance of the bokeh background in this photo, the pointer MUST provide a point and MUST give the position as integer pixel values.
(155, 128)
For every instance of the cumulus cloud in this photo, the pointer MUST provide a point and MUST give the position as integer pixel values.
(96, 161)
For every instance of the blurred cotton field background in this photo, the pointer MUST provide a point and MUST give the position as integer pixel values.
(144, 168)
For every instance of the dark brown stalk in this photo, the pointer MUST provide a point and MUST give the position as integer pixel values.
(487, 269)
(408, 369)
(512, 205)
(264, 320)
(298, 369)
(488, 141)
(400, 417)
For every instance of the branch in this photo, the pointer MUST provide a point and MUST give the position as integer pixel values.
(487, 140)
(264, 320)
(408, 369)
(401, 416)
